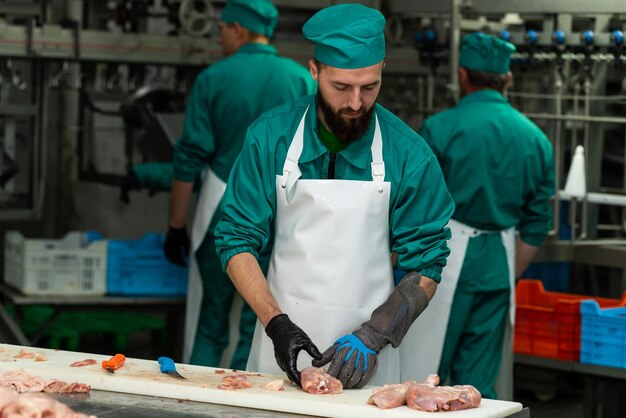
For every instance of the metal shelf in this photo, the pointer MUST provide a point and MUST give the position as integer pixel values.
(571, 366)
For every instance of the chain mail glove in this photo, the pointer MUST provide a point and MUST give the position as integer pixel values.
(353, 358)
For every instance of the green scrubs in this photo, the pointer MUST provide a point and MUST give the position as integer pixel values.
(499, 169)
(226, 98)
(420, 204)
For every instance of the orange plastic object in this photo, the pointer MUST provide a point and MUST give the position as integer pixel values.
(114, 363)
(547, 324)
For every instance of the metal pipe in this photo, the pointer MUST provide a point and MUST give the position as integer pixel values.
(558, 85)
(455, 42)
(553, 96)
(586, 143)
(577, 118)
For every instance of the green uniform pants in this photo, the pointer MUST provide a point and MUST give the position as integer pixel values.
(472, 350)
(212, 334)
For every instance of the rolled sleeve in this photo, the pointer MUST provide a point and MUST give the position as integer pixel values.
(248, 205)
(418, 222)
(537, 213)
(197, 143)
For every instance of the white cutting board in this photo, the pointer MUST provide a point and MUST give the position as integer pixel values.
(142, 377)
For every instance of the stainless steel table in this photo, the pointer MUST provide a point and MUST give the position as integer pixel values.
(172, 308)
(109, 404)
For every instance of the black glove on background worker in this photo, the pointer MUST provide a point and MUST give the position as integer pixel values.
(129, 183)
(177, 245)
(289, 340)
(354, 357)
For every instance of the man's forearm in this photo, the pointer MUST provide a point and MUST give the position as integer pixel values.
(245, 272)
(429, 286)
(524, 254)
(180, 196)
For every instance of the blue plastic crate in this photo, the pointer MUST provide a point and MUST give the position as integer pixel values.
(139, 267)
(602, 335)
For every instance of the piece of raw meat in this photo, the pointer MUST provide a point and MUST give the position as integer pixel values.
(388, 396)
(38, 405)
(25, 354)
(426, 396)
(82, 363)
(6, 397)
(235, 382)
(275, 385)
(21, 382)
(40, 357)
(58, 386)
(316, 381)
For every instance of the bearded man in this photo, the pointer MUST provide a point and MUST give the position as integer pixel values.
(333, 183)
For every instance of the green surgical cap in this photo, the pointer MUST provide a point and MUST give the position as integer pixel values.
(482, 52)
(259, 16)
(347, 36)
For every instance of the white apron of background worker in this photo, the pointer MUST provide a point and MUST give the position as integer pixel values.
(420, 356)
(330, 266)
(210, 195)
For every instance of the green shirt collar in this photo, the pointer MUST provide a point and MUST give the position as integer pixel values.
(254, 48)
(329, 139)
(484, 95)
(357, 153)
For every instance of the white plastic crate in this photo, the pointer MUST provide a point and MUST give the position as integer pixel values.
(68, 266)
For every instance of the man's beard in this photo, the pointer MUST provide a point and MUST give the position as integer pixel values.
(347, 130)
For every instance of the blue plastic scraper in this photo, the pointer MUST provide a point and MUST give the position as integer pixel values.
(168, 366)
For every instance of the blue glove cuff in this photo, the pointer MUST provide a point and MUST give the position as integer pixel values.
(353, 342)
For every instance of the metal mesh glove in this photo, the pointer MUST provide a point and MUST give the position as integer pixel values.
(353, 357)
(289, 340)
(176, 246)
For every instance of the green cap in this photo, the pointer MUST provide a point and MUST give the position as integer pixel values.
(482, 52)
(347, 35)
(259, 16)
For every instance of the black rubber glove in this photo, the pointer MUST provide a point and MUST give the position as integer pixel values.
(130, 182)
(177, 246)
(289, 340)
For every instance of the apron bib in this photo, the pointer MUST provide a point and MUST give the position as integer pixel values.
(210, 195)
(330, 266)
(420, 351)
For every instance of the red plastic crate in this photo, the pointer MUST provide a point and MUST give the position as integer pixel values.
(547, 324)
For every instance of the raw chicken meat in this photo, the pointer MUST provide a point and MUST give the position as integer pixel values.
(316, 381)
(388, 396)
(40, 357)
(25, 354)
(235, 382)
(21, 382)
(82, 363)
(58, 386)
(35, 405)
(6, 397)
(275, 385)
(427, 396)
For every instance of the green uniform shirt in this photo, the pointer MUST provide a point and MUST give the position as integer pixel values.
(420, 205)
(499, 169)
(226, 98)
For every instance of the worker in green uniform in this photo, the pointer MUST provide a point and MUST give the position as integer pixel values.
(333, 183)
(499, 168)
(225, 99)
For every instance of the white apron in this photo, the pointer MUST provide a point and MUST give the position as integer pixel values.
(420, 351)
(210, 195)
(330, 266)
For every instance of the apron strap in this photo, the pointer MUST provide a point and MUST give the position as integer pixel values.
(378, 165)
(293, 154)
(291, 171)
